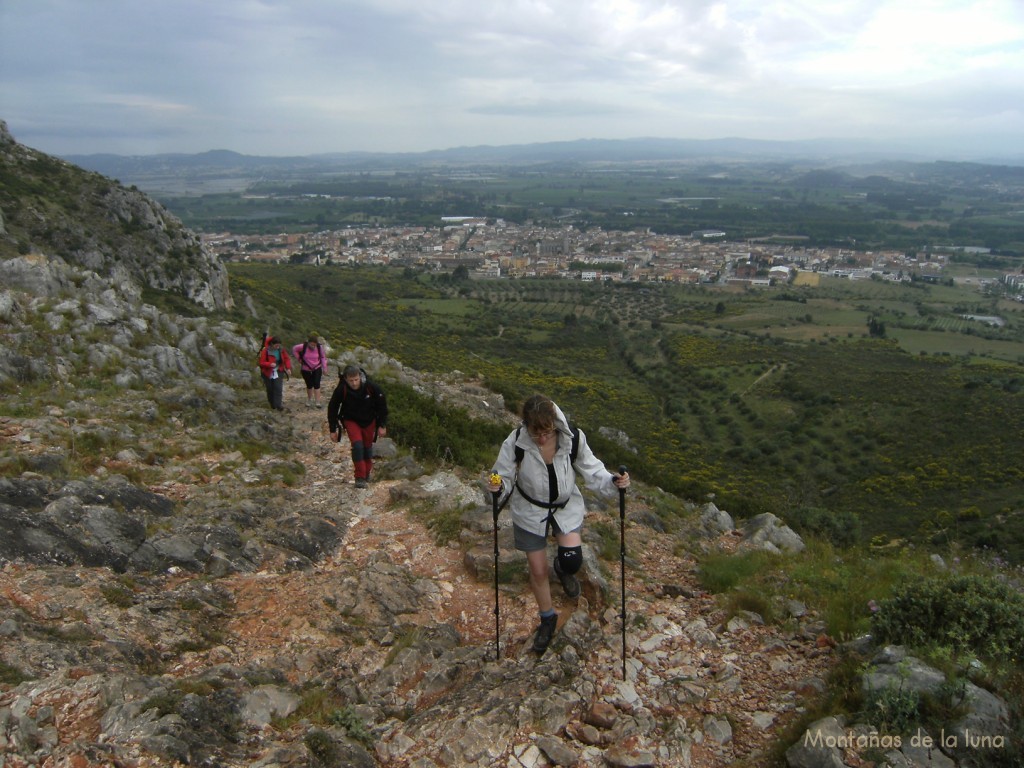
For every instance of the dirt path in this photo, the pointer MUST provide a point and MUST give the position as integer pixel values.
(287, 607)
(749, 673)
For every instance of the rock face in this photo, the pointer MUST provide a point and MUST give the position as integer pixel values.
(766, 532)
(52, 208)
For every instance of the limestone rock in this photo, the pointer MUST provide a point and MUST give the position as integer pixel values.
(768, 533)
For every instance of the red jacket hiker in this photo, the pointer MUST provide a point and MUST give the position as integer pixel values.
(275, 363)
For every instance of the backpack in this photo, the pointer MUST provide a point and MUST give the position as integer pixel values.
(319, 354)
(263, 348)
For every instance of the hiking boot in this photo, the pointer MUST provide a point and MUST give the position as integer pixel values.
(360, 482)
(547, 627)
(570, 583)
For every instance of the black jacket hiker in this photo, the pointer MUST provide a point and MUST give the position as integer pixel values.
(358, 406)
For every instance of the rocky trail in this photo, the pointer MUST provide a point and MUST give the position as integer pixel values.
(335, 630)
(720, 689)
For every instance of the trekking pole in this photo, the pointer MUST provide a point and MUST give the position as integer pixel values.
(497, 610)
(622, 564)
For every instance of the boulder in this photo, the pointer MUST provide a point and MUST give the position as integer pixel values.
(768, 533)
(714, 521)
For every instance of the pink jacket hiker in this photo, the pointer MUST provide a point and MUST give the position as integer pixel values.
(310, 356)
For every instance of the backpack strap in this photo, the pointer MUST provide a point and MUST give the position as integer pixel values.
(520, 453)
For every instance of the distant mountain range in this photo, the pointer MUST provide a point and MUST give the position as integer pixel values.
(225, 170)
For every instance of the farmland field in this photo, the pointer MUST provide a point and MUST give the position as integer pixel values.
(771, 401)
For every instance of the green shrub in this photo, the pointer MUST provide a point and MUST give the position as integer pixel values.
(445, 524)
(11, 675)
(117, 595)
(970, 614)
(440, 432)
(347, 718)
(841, 528)
(721, 572)
(893, 709)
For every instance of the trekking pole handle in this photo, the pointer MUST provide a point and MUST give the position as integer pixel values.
(495, 479)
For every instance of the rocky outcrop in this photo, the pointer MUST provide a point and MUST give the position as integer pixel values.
(53, 208)
(977, 733)
(767, 533)
(93, 324)
(111, 523)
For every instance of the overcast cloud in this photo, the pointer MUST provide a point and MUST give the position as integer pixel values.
(295, 77)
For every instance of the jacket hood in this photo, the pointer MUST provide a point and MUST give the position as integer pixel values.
(561, 422)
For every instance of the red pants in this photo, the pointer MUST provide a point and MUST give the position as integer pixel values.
(362, 446)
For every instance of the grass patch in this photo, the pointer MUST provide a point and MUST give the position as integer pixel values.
(719, 573)
(406, 639)
(608, 539)
(511, 573)
(287, 473)
(118, 595)
(10, 675)
(322, 747)
(349, 719)
(322, 708)
(444, 524)
(843, 586)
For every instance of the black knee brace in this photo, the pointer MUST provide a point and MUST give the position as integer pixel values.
(570, 559)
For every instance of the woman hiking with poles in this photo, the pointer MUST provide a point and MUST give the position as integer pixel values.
(537, 467)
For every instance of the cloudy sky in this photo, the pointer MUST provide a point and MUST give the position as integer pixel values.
(294, 77)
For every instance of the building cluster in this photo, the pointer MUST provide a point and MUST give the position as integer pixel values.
(498, 249)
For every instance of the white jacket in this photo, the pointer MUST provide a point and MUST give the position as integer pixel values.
(534, 478)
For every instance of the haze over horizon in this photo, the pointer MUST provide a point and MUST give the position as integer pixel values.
(277, 78)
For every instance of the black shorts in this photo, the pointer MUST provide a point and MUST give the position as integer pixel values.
(525, 541)
(312, 378)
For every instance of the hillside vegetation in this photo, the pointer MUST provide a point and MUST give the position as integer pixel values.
(768, 402)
